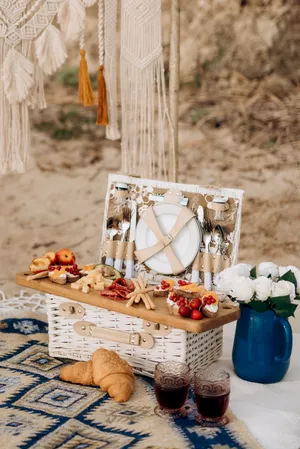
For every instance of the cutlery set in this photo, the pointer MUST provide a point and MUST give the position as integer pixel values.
(214, 241)
(120, 227)
(123, 228)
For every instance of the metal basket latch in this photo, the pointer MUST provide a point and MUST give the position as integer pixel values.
(71, 310)
(156, 329)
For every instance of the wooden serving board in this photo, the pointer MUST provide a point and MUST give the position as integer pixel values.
(161, 315)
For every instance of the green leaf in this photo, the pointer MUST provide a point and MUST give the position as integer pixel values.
(280, 301)
(289, 276)
(259, 306)
(282, 306)
(253, 274)
(287, 311)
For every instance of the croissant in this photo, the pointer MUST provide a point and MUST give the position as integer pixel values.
(106, 370)
(79, 373)
(113, 374)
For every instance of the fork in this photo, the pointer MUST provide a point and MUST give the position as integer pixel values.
(124, 226)
(207, 236)
(112, 231)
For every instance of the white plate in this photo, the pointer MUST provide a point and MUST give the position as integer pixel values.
(185, 246)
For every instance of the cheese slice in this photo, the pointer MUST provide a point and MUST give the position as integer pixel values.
(187, 287)
(213, 294)
(199, 289)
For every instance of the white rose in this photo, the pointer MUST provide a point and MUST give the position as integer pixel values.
(223, 279)
(242, 288)
(283, 288)
(223, 284)
(282, 270)
(243, 269)
(262, 287)
(268, 269)
(295, 270)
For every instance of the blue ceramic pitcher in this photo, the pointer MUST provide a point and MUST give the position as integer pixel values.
(262, 346)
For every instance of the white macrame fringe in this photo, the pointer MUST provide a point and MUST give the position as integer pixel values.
(29, 45)
(71, 17)
(38, 99)
(17, 76)
(143, 90)
(15, 92)
(110, 66)
(50, 50)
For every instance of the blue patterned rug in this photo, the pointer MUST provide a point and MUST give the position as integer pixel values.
(39, 411)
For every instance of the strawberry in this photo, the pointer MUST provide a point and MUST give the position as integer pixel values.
(184, 311)
(196, 315)
(195, 303)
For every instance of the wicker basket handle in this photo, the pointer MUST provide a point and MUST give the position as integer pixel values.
(142, 339)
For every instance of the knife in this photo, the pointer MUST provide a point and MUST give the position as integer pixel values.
(200, 215)
(130, 263)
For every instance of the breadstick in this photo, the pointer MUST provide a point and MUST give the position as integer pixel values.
(153, 306)
(145, 300)
(143, 284)
(134, 294)
(135, 283)
(131, 301)
(137, 287)
(140, 291)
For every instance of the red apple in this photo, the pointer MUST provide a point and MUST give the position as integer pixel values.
(51, 256)
(65, 257)
(184, 311)
(196, 315)
(195, 303)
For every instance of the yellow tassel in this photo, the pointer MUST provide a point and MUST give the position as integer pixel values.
(86, 94)
(102, 118)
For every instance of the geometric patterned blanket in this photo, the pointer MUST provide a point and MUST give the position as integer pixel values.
(39, 411)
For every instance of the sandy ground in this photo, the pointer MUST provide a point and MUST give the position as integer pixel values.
(59, 201)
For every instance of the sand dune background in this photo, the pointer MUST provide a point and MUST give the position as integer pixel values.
(239, 127)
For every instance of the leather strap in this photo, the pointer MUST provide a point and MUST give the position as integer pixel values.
(211, 263)
(86, 329)
(164, 241)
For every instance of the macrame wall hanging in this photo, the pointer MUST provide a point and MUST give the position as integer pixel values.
(143, 89)
(31, 46)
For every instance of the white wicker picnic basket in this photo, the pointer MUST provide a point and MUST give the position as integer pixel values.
(77, 329)
(197, 350)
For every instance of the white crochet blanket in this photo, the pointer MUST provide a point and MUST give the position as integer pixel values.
(271, 412)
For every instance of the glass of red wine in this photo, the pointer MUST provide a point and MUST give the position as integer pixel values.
(172, 382)
(212, 390)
